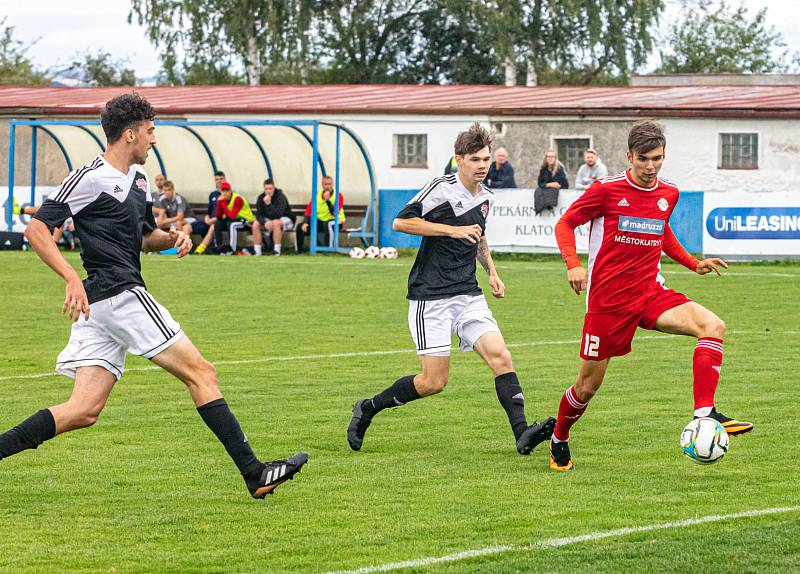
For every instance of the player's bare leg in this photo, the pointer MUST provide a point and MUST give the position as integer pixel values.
(89, 394)
(183, 360)
(573, 405)
(492, 349)
(432, 380)
(696, 321)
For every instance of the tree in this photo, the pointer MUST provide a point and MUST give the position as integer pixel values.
(725, 39)
(576, 42)
(228, 41)
(102, 69)
(15, 67)
(371, 41)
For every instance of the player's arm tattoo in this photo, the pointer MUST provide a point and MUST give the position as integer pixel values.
(484, 255)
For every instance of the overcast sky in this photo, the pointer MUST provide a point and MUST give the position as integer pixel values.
(65, 28)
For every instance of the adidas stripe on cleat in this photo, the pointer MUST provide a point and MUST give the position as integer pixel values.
(732, 426)
(535, 434)
(277, 472)
(560, 458)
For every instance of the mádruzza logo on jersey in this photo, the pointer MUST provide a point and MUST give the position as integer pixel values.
(641, 225)
(754, 223)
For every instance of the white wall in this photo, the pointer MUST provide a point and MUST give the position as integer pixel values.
(693, 155)
(377, 134)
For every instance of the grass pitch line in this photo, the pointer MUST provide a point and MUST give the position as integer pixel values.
(558, 542)
(332, 356)
(369, 354)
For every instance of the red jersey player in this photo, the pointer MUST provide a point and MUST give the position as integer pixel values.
(630, 228)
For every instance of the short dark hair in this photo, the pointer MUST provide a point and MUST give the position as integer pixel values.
(169, 183)
(645, 136)
(269, 181)
(123, 112)
(219, 173)
(474, 139)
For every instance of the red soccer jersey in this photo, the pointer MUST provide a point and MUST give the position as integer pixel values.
(629, 230)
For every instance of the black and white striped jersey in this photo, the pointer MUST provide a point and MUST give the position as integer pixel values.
(111, 211)
(445, 267)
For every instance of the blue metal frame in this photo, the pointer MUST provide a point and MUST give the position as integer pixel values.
(372, 183)
(316, 158)
(260, 149)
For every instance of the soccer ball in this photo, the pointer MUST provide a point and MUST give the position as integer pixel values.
(372, 252)
(704, 441)
(388, 253)
(357, 253)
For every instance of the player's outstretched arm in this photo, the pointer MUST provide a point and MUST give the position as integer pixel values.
(38, 235)
(419, 226)
(159, 240)
(485, 259)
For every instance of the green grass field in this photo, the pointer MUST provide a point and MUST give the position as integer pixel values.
(148, 489)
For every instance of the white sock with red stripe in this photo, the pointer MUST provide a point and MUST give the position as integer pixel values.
(706, 366)
(569, 411)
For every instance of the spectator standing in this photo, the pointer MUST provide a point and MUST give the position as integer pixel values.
(326, 212)
(233, 214)
(552, 173)
(501, 174)
(211, 217)
(591, 170)
(273, 217)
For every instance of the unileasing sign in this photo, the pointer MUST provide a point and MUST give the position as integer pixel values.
(737, 223)
(754, 223)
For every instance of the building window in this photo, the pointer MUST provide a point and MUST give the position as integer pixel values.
(570, 152)
(738, 151)
(411, 150)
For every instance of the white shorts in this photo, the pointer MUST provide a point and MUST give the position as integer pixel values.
(432, 322)
(288, 224)
(130, 322)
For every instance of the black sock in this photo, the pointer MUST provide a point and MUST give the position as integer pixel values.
(30, 433)
(402, 391)
(221, 421)
(509, 392)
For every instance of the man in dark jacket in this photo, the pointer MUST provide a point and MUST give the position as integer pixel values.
(273, 217)
(501, 174)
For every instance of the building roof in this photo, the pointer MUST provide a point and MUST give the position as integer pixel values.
(660, 101)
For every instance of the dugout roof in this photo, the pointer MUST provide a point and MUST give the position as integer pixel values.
(781, 101)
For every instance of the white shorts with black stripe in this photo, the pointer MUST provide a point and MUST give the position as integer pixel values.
(130, 322)
(432, 323)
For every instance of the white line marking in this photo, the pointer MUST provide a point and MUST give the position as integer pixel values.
(335, 356)
(380, 353)
(557, 542)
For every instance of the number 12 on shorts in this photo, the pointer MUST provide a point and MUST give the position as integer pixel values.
(590, 345)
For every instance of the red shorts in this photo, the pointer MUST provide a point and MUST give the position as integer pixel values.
(610, 334)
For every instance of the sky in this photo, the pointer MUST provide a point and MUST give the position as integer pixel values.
(62, 29)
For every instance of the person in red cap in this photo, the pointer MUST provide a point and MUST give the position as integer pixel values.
(233, 214)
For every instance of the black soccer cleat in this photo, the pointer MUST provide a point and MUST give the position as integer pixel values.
(535, 434)
(732, 426)
(358, 425)
(560, 458)
(276, 472)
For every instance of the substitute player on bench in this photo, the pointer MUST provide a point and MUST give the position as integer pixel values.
(450, 214)
(630, 228)
(110, 202)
